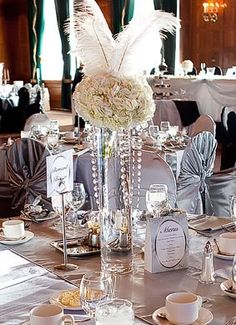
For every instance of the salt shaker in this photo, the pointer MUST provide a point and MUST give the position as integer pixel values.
(207, 275)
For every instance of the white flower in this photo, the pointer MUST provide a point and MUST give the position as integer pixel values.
(114, 102)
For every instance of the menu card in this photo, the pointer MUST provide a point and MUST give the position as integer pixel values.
(60, 173)
(166, 244)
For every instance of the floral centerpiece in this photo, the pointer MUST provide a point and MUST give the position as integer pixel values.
(116, 98)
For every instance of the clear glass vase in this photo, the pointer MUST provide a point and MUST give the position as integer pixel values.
(111, 167)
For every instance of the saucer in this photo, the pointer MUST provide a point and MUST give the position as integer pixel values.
(28, 235)
(204, 317)
(223, 256)
(70, 140)
(225, 287)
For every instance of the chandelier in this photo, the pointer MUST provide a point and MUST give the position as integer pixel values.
(211, 10)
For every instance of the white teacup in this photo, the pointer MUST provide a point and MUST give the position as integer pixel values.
(13, 229)
(227, 243)
(183, 307)
(70, 135)
(49, 315)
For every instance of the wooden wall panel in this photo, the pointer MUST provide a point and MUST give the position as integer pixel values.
(14, 38)
(213, 43)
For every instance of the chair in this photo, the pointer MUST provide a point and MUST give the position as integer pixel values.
(228, 154)
(203, 123)
(220, 186)
(197, 165)
(218, 71)
(154, 170)
(26, 165)
(193, 72)
(36, 119)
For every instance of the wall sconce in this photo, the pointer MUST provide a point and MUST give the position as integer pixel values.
(211, 10)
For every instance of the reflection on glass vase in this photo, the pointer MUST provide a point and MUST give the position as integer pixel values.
(112, 161)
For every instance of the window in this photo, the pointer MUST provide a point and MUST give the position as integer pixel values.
(52, 63)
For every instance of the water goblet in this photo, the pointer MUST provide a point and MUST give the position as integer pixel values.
(165, 125)
(156, 198)
(95, 287)
(115, 311)
(52, 142)
(233, 207)
(153, 131)
(78, 200)
(234, 274)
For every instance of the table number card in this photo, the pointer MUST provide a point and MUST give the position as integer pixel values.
(166, 244)
(60, 173)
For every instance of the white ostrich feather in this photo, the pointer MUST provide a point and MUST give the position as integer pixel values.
(94, 42)
(131, 52)
(140, 41)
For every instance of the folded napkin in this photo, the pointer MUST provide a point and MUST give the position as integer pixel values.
(210, 223)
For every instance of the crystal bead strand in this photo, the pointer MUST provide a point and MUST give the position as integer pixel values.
(136, 165)
(94, 156)
(124, 168)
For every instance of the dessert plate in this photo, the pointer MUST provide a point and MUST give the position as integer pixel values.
(28, 235)
(205, 317)
(67, 299)
(226, 287)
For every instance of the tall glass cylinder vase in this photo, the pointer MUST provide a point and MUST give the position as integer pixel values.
(112, 186)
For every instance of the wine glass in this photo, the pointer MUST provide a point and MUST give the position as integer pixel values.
(78, 200)
(156, 198)
(153, 131)
(95, 287)
(165, 125)
(52, 142)
(233, 207)
(234, 273)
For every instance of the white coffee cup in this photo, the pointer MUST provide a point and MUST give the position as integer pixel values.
(49, 315)
(70, 135)
(182, 307)
(227, 243)
(13, 229)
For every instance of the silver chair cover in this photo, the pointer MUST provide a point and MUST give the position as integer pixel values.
(26, 165)
(197, 165)
(36, 119)
(221, 186)
(203, 123)
(154, 170)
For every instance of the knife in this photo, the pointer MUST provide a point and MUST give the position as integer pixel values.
(143, 318)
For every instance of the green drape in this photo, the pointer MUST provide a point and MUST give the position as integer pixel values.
(169, 44)
(63, 13)
(36, 29)
(123, 13)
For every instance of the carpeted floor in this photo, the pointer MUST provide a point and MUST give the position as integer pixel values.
(64, 118)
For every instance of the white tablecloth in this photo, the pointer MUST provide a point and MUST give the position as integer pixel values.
(210, 95)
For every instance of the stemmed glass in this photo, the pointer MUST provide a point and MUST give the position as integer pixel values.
(52, 141)
(156, 198)
(95, 287)
(78, 200)
(165, 125)
(233, 207)
(234, 273)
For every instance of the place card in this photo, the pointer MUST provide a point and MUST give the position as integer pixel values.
(60, 173)
(166, 244)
